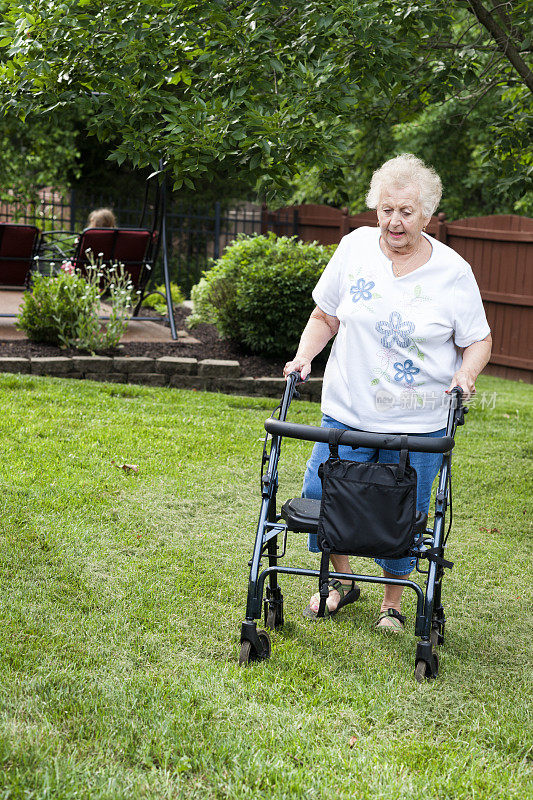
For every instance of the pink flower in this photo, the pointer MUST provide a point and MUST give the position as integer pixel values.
(68, 267)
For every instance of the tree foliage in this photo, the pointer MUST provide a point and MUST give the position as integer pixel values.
(476, 131)
(38, 151)
(259, 86)
(264, 89)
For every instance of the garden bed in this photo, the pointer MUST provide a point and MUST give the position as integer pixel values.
(202, 361)
(210, 345)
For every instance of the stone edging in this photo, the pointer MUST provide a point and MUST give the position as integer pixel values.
(208, 374)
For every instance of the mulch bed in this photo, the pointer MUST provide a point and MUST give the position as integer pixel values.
(211, 346)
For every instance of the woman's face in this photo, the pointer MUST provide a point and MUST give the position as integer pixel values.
(400, 218)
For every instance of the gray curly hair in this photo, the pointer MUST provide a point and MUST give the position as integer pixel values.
(405, 170)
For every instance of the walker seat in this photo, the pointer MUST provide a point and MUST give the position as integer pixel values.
(301, 515)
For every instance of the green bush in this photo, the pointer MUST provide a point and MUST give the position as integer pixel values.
(202, 308)
(156, 302)
(259, 293)
(64, 309)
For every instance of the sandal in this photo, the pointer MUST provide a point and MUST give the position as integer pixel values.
(347, 596)
(397, 620)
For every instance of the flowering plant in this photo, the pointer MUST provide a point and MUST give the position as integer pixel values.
(64, 309)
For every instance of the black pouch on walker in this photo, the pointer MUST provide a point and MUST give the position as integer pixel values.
(366, 509)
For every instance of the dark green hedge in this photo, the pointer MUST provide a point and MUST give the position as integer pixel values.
(259, 293)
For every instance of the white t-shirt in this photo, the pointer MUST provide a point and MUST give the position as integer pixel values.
(397, 346)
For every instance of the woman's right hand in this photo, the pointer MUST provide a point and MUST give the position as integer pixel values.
(298, 364)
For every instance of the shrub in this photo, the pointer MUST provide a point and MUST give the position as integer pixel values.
(259, 293)
(156, 302)
(64, 309)
(202, 308)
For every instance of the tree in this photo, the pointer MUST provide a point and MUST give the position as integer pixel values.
(473, 125)
(456, 143)
(491, 45)
(501, 21)
(258, 88)
(212, 86)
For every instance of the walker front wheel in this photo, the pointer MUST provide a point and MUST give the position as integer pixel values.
(265, 641)
(420, 671)
(244, 655)
(249, 653)
(427, 660)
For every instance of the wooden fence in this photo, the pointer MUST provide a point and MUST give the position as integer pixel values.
(499, 249)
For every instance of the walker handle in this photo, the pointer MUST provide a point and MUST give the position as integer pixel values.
(377, 441)
(296, 377)
(289, 392)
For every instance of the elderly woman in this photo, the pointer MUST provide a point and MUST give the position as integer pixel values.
(409, 326)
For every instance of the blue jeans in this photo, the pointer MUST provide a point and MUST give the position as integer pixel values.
(427, 466)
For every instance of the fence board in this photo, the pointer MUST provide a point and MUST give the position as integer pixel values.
(507, 299)
(488, 234)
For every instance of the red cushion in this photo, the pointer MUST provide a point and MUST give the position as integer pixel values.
(17, 250)
(115, 245)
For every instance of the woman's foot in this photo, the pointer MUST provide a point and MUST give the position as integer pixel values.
(341, 594)
(390, 620)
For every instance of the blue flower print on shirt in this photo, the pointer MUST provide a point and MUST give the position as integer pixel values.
(406, 371)
(362, 290)
(395, 331)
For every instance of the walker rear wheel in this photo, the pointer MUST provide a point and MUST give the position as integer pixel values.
(270, 621)
(273, 608)
(273, 615)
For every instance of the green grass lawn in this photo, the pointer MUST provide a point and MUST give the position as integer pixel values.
(123, 592)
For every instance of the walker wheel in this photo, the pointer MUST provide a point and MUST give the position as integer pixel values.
(273, 616)
(420, 671)
(265, 641)
(270, 621)
(422, 668)
(273, 609)
(248, 652)
(244, 656)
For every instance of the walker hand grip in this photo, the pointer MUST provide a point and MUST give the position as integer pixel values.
(380, 441)
(295, 375)
(458, 408)
(290, 391)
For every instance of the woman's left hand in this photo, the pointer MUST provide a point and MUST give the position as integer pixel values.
(465, 380)
(475, 356)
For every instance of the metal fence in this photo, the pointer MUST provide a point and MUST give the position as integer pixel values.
(196, 234)
(199, 234)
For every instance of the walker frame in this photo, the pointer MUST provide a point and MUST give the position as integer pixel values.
(430, 618)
